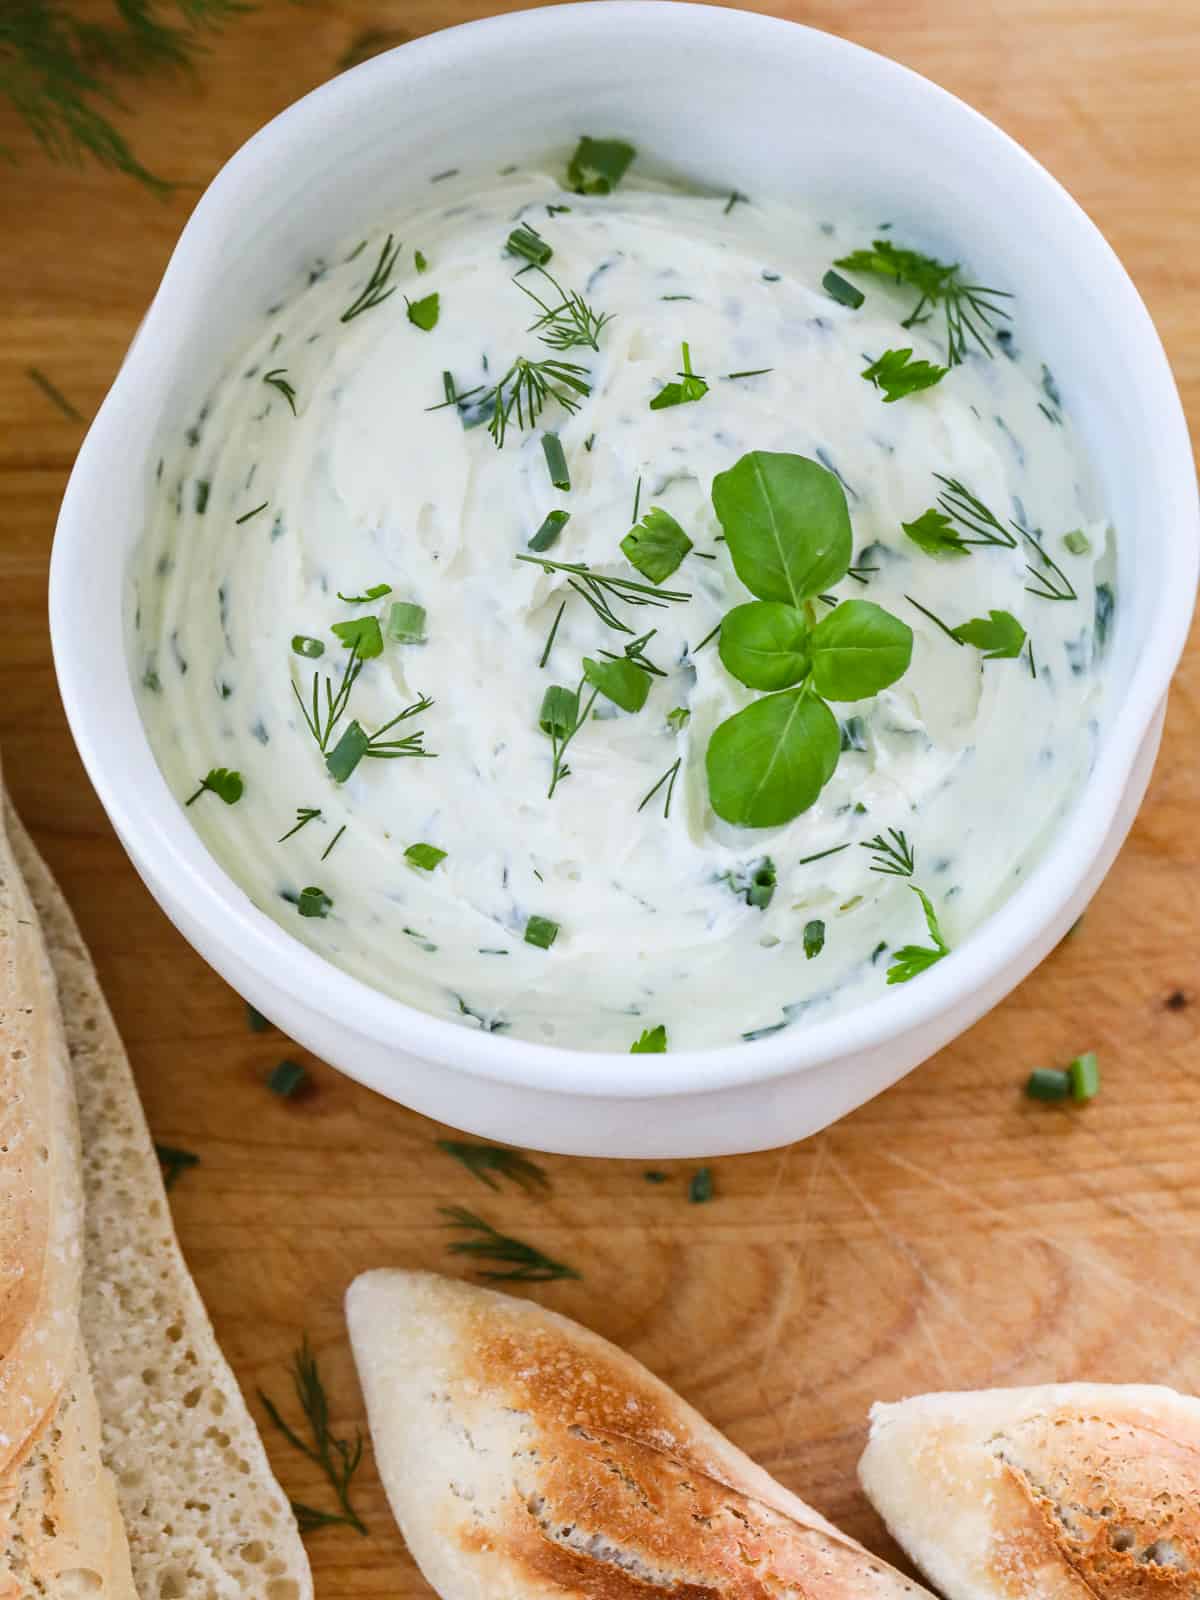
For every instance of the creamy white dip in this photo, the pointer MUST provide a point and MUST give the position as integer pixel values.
(265, 515)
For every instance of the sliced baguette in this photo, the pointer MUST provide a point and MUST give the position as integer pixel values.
(526, 1458)
(206, 1518)
(1078, 1491)
(60, 1532)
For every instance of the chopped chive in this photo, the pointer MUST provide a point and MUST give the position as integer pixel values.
(202, 488)
(655, 1177)
(255, 1020)
(548, 534)
(528, 242)
(313, 902)
(541, 931)
(1047, 1083)
(375, 592)
(814, 938)
(837, 288)
(329, 847)
(598, 165)
(753, 372)
(347, 753)
(1084, 1073)
(304, 815)
(1077, 542)
(303, 644)
(287, 1078)
(556, 461)
(700, 1189)
(553, 632)
(733, 200)
(419, 261)
(406, 622)
(246, 515)
(425, 856)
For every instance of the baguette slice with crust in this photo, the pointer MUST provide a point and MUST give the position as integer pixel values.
(526, 1458)
(206, 1518)
(1077, 1491)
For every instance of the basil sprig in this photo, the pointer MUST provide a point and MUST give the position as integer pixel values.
(788, 531)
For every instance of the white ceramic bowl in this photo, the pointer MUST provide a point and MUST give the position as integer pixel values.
(728, 99)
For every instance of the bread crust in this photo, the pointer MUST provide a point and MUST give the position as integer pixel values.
(525, 1456)
(1070, 1491)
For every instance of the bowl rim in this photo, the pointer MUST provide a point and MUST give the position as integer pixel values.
(168, 851)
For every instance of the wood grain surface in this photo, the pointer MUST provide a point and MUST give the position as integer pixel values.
(949, 1234)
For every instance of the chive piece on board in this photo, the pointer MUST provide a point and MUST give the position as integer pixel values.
(556, 461)
(541, 931)
(700, 1189)
(837, 288)
(550, 530)
(1047, 1083)
(287, 1078)
(255, 1020)
(1084, 1073)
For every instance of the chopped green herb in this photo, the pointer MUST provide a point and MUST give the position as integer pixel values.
(304, 644)
(1077, 542)
(897, 374)
(821, 854)
(376, 592)
(525, 388)
(541, 931)
(304, 815)
(287, 1079)
(656, 545)
(424, 856)
(406, 622)
(551, 529)
(700, 1188)
(912, 959)
(323, 724)
(894, 857)
(424, 313)
(733, 200)
(933, 532)
(756, 883)
(689, 388)
(361, 634)
(174, 1162)
(598, 165)
(314, 902)
(678, 718)
(596, 587)
(999, 635)
(220, 781)
(556, 461)
(814, 938)
(419, 261)
(622, 681)
(560, 719)
(839, 289)
(558, 616)
(253, 512)
(752, 372)
(328, 850)
(651, 1042)
(376, 290)
(522, 1262)
(1047, 1083)
(202, 489)
(969, 308)
(528, 242)
(355, 743)
(484, 1160)
(656, 1177)
(338, 1459)
(668, 777)
(1084, 1073)
(567, 324)
(278, 380)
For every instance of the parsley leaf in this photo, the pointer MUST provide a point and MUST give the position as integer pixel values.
(898, 374)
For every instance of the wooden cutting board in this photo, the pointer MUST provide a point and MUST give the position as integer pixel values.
(949, 1234)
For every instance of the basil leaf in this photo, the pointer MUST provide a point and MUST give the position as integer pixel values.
(858, 649)
(622, 681)
(770, 761)
(786, 523)
(656, 545)
(999, 635)
(765, 644)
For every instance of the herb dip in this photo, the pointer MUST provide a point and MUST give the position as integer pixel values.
(325, 463)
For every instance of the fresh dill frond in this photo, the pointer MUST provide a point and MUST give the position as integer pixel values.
(338, 1459)
(571, 323)
(483, 1161)
(526, 387)
(596, 588)
(304, 815)
(668, 777)
(322, 723)
(981, 526)
(893, 856)
(970, 309)
(376, 289)
(278, 379)
(523, 1262)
